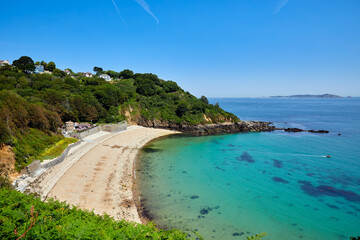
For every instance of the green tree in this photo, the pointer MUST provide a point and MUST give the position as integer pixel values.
(181, 109)
(51, 66)
(58, 72)
(126, 74)
(25, 64)
(204, 99)
(44, 64)
(112, 74)
(98, 70)
(170, 86)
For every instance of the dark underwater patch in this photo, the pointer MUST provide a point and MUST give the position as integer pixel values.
(279, 179)
(245, 157)
(332, 206)
(344, 179)
(310, 174)
(277, 163)
(221, 169)
(151, 150)
(324, 190)
(351, 213)
(206, 210)
(194, 197)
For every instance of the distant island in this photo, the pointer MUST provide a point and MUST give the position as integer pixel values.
(309, 96)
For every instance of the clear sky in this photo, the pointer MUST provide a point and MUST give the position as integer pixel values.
(216, 48)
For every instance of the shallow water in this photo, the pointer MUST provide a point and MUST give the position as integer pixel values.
(233, 186)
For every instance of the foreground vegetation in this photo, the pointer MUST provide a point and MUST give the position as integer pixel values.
(20, 213)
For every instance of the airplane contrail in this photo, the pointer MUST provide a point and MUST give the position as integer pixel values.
(117, 10)
(281, 5)
(146, 7)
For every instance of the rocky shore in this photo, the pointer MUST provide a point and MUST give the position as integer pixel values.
(210, 129)
(219, 128)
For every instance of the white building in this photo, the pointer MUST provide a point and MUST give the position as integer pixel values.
(88, 74)
(106, 77)
(4, 62)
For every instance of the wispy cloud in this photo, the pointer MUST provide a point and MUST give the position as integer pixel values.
(146, 7)
(118, 12)
(280, 6)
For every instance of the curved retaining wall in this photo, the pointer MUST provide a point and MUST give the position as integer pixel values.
(61, 158)
(36, 166)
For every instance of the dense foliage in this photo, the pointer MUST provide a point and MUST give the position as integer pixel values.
(55, 220)
(34, 106)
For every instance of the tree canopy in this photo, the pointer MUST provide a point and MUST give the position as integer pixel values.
(25, 64)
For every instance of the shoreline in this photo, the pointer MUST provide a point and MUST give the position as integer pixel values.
(102, 178)
(142, 212)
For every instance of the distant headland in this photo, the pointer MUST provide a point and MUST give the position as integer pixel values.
(327, 95)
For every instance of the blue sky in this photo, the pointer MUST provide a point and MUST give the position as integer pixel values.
(228, 48)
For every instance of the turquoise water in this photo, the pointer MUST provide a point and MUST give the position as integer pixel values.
(233, 186)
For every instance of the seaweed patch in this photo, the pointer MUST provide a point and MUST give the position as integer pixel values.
(332, 206)
(279, 179)
(206, 210)
(324, 190)
(151, 150)
(277, 163)
(245, 157)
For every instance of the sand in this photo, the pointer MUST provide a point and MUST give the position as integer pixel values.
(98, 174)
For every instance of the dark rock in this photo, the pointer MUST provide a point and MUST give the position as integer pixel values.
(293, 130)
(318, 131)
(209, 129)
(218, 128)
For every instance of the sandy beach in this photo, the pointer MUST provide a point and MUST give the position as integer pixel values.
(98, 175)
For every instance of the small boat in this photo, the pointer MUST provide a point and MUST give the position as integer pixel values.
(328, 156)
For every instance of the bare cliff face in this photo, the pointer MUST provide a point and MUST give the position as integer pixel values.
(209, 129)
(7, 163)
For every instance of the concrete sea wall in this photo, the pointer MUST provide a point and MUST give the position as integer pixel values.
(36, 167)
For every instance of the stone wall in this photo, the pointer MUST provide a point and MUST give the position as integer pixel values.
(106, 128)
(33, 168)
(114, 127)
(36, 167)
(61, 158)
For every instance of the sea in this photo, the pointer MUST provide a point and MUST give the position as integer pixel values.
(238, 185)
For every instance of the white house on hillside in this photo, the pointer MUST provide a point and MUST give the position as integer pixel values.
(106, 77)
(87, 74)
(4, 62)
(39, 69)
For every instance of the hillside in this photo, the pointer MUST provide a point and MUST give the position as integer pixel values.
(33, 107)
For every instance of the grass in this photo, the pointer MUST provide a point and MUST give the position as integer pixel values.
(30, 144)
(57, 149)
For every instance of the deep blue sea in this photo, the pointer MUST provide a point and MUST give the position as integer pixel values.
(234, 186)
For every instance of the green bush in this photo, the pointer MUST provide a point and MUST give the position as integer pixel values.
(54, 220)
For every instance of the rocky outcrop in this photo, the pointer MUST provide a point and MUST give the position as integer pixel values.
(210, 129)
(219, 128)
(302, 130)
